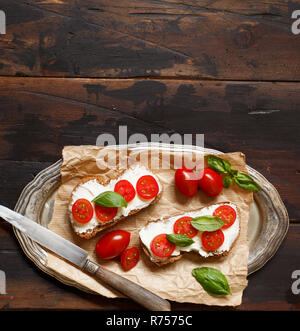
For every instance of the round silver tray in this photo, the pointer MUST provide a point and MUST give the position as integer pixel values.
(268, 222)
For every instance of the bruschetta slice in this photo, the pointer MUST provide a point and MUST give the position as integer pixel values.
(139, 186)
(161, 251)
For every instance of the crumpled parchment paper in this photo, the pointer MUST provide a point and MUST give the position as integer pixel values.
(174, 281)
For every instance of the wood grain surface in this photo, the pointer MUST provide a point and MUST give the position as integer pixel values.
(236, 40)
(72, 70)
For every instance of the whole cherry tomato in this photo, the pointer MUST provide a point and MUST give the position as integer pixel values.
(112, 244)
(210, 182)
(186, 182)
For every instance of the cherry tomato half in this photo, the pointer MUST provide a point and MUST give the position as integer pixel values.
(227, 214)
(211, 240)
(126, 189)
(82, 211)
(161, 247)
(210, 182)
(186, 182)
(147, 187)
(183, 226)
(112, 244)
(105, 214)
(130, 257)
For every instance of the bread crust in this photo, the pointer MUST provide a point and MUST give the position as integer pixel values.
(172, 259)
(90, 233)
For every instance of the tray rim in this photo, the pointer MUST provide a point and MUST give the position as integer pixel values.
(38, 254)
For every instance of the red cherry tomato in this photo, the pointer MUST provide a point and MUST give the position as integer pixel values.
(147, 187)
(227, 214)
(112, 244)
(126, 189)
(161, 247)
(105, 214)
(183, 226)
(186, 182)
(130, 257)
(210, 182)
(82, 211)
(211, 240)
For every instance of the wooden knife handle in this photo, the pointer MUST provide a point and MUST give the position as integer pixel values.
(136, 292)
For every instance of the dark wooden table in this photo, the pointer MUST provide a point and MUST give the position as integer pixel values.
(71, 70)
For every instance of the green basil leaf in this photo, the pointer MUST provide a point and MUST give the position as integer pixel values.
(227, 165)
(110, 199)
(246, 182)
(227, 181)
(218, 164)
(207, 223)
(180, 240)
(212, 280)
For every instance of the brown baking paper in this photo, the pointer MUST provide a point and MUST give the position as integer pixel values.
(174, 281)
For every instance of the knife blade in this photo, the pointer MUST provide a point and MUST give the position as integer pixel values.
(79, 257)
(45, 237)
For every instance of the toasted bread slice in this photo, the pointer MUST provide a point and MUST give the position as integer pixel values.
(165, 225)
(92, 184)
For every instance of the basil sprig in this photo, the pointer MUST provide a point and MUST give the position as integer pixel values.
(207, 223)
(212, 280)
(110, 199)
(180, 240)
(224, 167)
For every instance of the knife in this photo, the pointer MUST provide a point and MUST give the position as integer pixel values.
(80, 258)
